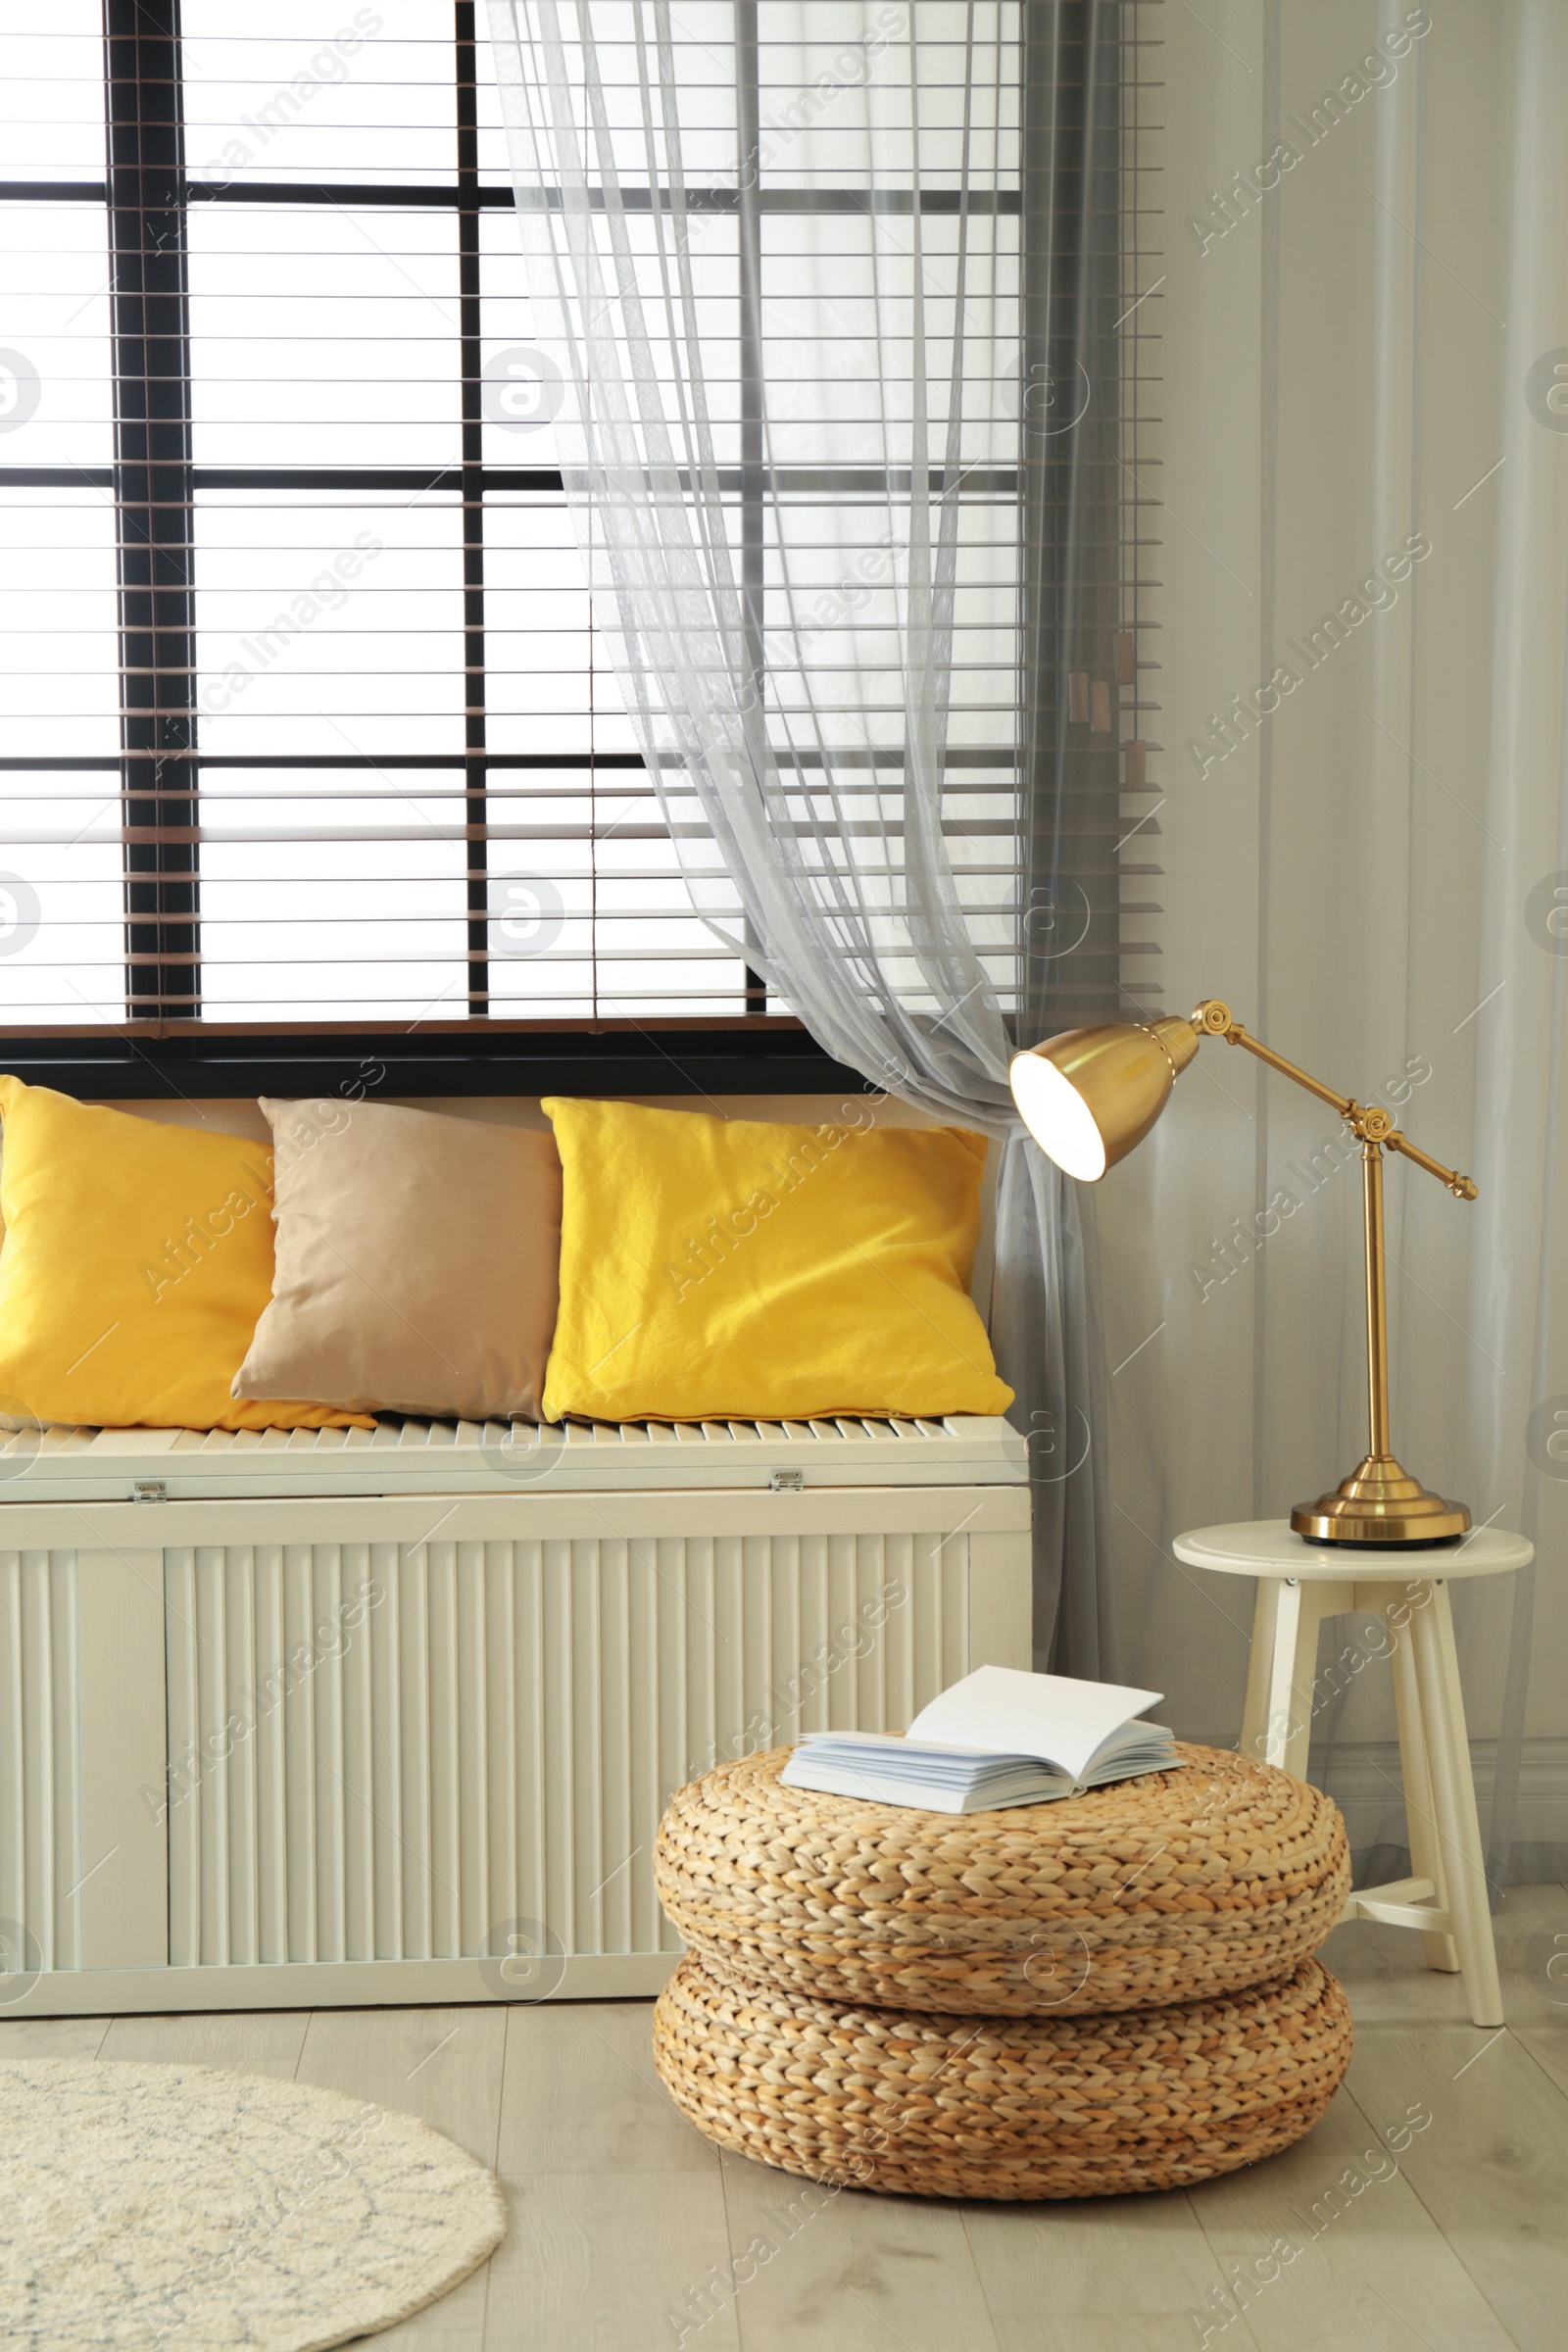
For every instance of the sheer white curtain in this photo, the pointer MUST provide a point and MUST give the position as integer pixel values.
(1365, 648)
(774, 259)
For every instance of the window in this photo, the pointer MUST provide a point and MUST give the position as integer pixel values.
(305, 723)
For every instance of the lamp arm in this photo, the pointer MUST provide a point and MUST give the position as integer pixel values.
(1371, 1122)
(1462, 1187)
(1235, 1035)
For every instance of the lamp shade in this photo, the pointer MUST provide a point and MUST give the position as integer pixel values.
(1089, 1096)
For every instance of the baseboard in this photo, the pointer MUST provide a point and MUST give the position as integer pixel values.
(1362, 1776)
(334, 1984)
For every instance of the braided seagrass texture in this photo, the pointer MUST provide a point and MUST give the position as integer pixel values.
(1167, 1888)
(1006, 2107)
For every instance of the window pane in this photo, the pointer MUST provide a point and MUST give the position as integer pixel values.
(59, 675)
(589, 911)
(55, 405)
(705, 71)
(331, 897)
(549, 686)
(522, 388)
(340, 95)
(62, 902)
(324, 335)
(324, 628)
(52, 90)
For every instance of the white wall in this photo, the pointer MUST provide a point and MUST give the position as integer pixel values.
(1340, 368)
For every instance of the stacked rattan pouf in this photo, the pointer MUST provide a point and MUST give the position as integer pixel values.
(1116, 1991)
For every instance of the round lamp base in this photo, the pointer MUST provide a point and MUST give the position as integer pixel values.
(1380, 1503)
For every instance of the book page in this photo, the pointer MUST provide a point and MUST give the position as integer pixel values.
(1012, 1713)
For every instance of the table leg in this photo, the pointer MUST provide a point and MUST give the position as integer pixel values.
(1286, 1729)
(1454, 1806)
(1426, 1846)
(1253, 1742)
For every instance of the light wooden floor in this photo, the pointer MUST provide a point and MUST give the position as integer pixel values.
(620, 2210)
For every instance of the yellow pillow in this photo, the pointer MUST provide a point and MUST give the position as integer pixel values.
(723, 1266)
(137, 1259)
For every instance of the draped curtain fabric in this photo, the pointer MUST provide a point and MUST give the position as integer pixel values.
(774, 260)
(1364, 361)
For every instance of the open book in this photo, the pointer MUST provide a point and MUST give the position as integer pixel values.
(999, 1737)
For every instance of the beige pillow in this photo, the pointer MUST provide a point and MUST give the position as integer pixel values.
(417, 1263)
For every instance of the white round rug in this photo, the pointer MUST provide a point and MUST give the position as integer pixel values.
(181, 2209)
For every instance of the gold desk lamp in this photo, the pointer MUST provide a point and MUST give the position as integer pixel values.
(1091, 1095)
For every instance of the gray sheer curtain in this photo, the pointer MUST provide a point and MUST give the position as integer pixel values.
(774, 260)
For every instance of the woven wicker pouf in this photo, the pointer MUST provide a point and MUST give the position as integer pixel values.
(1007, 2107)
(1171, 1887)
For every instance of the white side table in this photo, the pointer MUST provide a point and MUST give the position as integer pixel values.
(1299, 1585)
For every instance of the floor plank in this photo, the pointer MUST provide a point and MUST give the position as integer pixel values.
(847, 2269)
(1490, 2171)
(1388, 1980)
(1091, 2255)
(618, 2263)
(443, 2065)
(454, 2323)
(52, 2037)
(1532, 1960)
(581, 2094)
(421, 2335)
(429, 2331)
(1326, 2245)
(251, 2041)
(1111, 2331)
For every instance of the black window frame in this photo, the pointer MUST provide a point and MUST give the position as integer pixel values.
(164, 1045)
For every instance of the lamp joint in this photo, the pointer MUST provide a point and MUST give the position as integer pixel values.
(1212, 1018)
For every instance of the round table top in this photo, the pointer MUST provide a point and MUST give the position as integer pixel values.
(1270, 1547)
